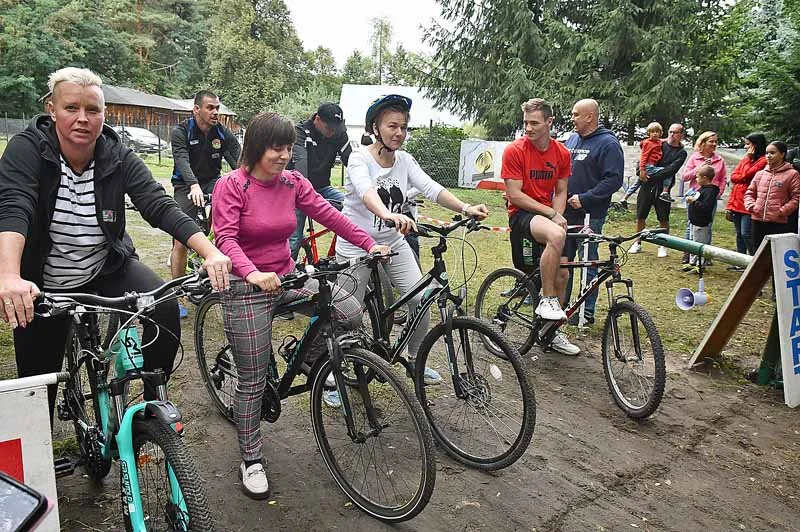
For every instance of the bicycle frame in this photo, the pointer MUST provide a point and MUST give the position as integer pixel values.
(309, 243)
(608, 273)
(320, 323)
(440, 294)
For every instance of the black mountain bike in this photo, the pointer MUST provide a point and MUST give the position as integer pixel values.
(376, 443)
(484, 412)
(633, 357)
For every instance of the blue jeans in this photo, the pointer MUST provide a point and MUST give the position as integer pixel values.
(744, 233)
(571, 247)
(328, 193)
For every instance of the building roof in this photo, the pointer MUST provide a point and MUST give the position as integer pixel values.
(355, 100)
(188, 104)
(126, 96)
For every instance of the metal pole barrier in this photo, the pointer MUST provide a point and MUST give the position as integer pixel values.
(703, 250)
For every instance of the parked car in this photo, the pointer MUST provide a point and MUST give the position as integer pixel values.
(141, 140)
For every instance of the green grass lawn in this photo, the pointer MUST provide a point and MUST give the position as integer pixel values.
(656, 280)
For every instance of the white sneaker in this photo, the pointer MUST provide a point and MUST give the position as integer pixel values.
(662, 252)
(254, 481)
(549, 308)
(564, 346)
(635, 248)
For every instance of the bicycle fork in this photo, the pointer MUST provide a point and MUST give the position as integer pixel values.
(337, 359)
(615, 334)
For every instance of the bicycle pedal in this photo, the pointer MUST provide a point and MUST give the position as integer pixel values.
(64, 466)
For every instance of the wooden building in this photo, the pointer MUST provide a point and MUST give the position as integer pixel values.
(131, 107)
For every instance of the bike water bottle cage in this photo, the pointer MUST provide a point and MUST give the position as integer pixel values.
(394, 100)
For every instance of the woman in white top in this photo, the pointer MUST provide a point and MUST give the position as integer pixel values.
(379, 177)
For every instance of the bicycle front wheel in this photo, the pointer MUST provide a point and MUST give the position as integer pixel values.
(633, 359)
(80, 401)
(387, 466)
(484, 412)
(173, 497)
(507, 299)
(214, 355)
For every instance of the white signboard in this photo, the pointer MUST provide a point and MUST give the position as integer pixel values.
(786, 271)
(480, 163)
(26, 448)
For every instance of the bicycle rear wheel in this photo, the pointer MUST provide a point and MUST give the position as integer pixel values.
(388, 468)
(173, 496)
(80, 401)
(214, 355)
(633, 359)
(485, 414)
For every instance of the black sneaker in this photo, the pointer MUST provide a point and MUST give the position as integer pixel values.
(587, 318)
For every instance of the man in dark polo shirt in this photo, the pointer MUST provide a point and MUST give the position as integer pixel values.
(199, 144)
(319, 140)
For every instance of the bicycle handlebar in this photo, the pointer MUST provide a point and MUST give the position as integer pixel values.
(424, 230)
(52, 304)
(619, 239)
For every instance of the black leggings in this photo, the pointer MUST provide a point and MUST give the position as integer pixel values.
(762, 229)
(40, 346)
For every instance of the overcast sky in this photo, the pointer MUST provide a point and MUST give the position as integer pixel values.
(344, 25)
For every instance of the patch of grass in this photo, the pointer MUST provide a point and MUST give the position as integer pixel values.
(67, 446)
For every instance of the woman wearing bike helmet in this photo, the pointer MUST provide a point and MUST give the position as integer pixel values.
(379, 177)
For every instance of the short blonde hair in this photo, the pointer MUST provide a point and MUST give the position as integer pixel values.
(702, 139)
(538, 104)
(80, 76)
(655, 126)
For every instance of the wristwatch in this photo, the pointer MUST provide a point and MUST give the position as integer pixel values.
(464, 208)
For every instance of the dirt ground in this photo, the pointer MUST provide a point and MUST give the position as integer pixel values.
(716, 456)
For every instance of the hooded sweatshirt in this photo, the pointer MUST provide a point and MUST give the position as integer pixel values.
(30, 175)
(597, 167)
(773, 195)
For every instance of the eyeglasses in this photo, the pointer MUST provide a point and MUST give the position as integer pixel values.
(675, 132)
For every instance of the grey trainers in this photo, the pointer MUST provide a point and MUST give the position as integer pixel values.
(564, 346)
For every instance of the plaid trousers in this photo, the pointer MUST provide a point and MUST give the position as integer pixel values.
(248, 327)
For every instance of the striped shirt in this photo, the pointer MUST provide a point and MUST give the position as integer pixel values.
(79, 245)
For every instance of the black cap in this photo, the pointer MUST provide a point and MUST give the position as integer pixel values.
(332, 115)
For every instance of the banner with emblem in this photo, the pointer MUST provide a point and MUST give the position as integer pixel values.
(480, 163)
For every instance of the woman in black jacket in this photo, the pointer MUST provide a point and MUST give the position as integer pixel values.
(62, 224)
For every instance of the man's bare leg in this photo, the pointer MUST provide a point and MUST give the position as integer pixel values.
(553, 236)
(178, 259)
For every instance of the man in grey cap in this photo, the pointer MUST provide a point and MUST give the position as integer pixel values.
(319, 140)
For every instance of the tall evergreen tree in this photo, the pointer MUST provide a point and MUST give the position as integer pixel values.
(256, 56)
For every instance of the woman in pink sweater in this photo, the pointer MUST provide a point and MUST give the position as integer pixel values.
(705, 152)
(773, 195)
(254, 216)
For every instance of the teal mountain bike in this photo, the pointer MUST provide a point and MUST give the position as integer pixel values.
(161, 488)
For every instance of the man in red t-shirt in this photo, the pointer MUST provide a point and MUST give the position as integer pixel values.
(535, 170)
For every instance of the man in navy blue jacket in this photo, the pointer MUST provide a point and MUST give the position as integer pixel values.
(597, 166)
